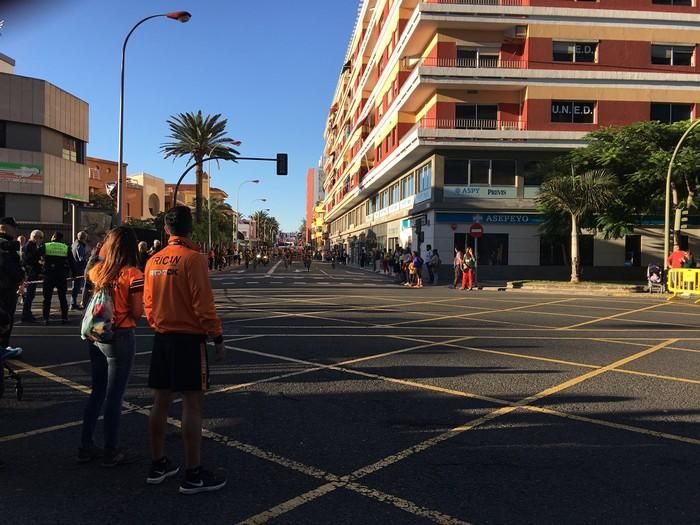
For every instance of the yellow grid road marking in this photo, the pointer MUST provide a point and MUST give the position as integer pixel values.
(561, 361)
(599, 319)
(469, 315)
(401, 503)
(506, 403)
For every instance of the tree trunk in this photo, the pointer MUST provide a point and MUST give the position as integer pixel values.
(574, 250)
(198, 194)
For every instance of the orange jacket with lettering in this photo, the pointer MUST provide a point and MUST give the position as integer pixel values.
(177, 293)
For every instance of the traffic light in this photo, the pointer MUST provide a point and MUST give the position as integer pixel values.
(281, 164)
(681, 219)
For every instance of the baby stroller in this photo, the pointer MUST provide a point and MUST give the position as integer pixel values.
(655, 279)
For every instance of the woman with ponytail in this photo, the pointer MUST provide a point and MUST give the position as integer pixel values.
(118, 274)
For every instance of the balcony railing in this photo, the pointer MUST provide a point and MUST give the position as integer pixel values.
(481, 62)
(478, 124)
(481, 2)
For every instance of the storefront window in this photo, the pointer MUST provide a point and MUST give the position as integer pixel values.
(554, 250)
(633, 250)
(492, 249)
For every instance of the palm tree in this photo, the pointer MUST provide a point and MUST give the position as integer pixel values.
(577, 196)
(198, 137)
(261, 218)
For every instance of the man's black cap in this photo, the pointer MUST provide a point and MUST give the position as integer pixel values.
(9, 221)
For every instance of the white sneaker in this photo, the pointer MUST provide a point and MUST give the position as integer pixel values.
(12, 352)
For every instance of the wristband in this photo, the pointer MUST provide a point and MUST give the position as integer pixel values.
(218, 339)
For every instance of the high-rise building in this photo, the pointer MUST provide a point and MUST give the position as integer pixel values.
(444, 109)
(314, 195)
(43, 136)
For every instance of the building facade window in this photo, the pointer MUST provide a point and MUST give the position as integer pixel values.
(3, 134)
(477, 57)
(456, 172)
(70, 149)
(476, 116)
(425, 175)
(575, 111)
(574, 52)
(73, 150)
(383, 199)
(480, 172)
(672, 55)
(395, 194)
(408, 186)
(670, 113)
(672, 2)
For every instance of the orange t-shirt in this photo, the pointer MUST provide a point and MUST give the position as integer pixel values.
(675, 260)
(129, 282)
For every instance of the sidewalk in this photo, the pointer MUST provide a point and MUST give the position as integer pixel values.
(559, 287)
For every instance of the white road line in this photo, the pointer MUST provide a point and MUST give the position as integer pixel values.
(272, 270)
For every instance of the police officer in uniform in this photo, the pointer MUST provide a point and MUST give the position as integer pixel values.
(58, 265)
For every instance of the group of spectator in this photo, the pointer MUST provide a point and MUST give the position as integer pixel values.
(681, 258)
(464, 265)
(171, 287)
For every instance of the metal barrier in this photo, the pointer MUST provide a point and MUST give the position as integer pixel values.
(684, 281)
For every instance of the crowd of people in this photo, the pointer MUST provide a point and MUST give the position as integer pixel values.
(404, 263)
(170, 286)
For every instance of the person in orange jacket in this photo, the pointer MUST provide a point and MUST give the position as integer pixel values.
(179, 305)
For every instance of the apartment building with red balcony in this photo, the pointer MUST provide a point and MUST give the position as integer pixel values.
(444, 109)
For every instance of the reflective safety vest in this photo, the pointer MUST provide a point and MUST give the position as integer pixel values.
(56, 249)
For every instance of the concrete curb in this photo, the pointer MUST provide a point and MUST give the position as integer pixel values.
(582, 289)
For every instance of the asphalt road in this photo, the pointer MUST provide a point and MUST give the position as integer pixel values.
(347, 399)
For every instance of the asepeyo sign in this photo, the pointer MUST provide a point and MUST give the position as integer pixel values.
(480, 192)
(489, 218)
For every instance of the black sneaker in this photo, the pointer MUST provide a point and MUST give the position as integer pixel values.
(161, 470)
(87, 453)
(201, 480)
(117, 456)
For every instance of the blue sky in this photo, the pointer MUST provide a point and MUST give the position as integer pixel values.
(269, 66)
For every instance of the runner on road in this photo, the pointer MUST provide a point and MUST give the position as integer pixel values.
(179, 305)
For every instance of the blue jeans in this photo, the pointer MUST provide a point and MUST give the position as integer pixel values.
(111, 365)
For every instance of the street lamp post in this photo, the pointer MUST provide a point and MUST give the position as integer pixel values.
(238, 210)
(667, 210)
(180, 16)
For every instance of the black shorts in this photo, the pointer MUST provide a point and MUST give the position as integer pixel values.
(179, 363)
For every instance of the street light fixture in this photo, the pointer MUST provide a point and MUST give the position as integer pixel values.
(180, 16)
(209, 176)
(667, 204)
(238, 209)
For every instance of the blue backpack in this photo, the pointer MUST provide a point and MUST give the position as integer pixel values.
(99, 316)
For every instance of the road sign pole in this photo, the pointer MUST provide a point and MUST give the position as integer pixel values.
(476, 262)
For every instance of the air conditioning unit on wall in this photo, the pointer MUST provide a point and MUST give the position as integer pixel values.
(517, 33)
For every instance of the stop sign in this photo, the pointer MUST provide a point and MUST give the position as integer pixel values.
(476, 230)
